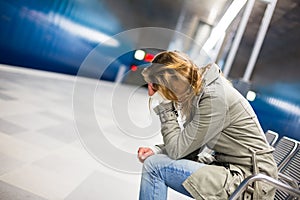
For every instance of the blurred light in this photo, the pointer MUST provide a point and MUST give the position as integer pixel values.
(133, 68)
(223, 24)
(213, 14)
(251, 96)
(267, 1)
(139, 54)
(284, 105)
(85, 32)
(149, 57)
(121, 73)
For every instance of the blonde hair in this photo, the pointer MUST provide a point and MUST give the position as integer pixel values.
(177, 78)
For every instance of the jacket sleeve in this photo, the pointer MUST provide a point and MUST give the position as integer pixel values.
(206, 124)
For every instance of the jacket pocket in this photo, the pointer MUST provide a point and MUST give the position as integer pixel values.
(213, 182)
(234, 179)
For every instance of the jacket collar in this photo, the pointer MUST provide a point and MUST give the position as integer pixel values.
(210, 76)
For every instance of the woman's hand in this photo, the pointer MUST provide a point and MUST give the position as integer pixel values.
(144, 152)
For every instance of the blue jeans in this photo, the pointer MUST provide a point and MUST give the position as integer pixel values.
(161, 172)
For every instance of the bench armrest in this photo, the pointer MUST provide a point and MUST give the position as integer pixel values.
(284, 178)
(261, 177)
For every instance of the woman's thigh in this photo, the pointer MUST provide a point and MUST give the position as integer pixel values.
(172, 172)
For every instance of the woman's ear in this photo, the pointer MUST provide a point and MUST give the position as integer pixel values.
(151, 90)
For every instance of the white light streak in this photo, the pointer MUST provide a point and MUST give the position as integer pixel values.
(83, 31)
(289, 107)
(223, 24)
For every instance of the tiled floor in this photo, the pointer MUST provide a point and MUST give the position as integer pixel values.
(42, 156)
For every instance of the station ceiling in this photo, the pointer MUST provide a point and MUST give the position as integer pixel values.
(279, 59)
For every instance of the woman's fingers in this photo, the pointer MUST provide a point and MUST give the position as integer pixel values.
(147, 154)
(143, 153)
(140, 152)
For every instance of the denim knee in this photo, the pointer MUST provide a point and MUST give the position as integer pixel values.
(149, 163)
(154, 163)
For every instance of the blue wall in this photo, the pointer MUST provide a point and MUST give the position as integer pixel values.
(56, 35)
(278, 108)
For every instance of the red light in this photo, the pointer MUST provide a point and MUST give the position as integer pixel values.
(133, 68)
(148, 57)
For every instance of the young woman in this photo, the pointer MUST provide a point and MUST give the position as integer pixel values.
(216, 116)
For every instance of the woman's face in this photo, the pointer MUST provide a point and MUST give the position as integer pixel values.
(151, 89)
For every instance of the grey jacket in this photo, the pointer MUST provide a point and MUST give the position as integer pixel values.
(224, 121)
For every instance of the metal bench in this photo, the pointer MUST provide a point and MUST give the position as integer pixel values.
(290, 174)
(271, 137)
(287, 157)
(284, 149)
(289, 190)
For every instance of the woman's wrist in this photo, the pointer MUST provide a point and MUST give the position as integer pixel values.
(156, 149)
